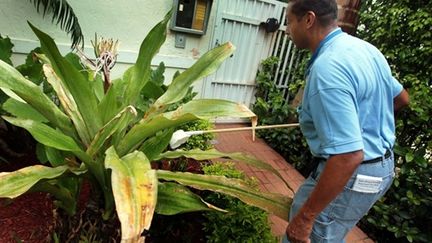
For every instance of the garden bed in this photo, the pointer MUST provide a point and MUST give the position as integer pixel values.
(33, 217)
(28, 218)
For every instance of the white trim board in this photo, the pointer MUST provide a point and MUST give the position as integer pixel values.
(23, 46)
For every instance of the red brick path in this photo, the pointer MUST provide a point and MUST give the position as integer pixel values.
(242, 142)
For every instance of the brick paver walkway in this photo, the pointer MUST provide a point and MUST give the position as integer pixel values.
(242, 142)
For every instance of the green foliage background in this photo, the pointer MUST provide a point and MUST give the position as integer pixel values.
(272, 108)
(202, 141)
(242, 222)
(402, 31)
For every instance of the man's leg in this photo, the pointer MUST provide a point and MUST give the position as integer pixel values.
(348, 208)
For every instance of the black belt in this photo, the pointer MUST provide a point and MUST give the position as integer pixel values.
(369, 161)
(379, 159)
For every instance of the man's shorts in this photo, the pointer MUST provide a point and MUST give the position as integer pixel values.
(368, 184)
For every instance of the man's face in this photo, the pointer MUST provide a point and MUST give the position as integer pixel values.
(296, 29)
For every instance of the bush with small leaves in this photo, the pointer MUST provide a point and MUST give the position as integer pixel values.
(242, 223)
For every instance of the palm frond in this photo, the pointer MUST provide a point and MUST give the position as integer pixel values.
(63, 14)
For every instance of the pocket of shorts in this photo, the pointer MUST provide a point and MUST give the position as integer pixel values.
(352, 205)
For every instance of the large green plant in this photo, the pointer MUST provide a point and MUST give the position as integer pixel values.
(97, 135)
(402, 30)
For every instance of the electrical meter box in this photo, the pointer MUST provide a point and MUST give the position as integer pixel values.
(191, 16)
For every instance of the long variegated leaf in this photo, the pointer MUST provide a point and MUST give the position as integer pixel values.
(111, 103)
(193, 110)
(56, 139)
(276, 204)
(153, 146)
(68, 103)
(214, 154)
(14, 184)
(141, 70)
(11, 79)
(23, 110)
(206, 65)
(11, 94)
(174, 198)
(77, 85)
(134, 186)
(45, 134)
(119, 122)
(143, 130)
(212, 108)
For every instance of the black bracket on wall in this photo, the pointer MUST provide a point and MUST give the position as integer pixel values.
(271, 25)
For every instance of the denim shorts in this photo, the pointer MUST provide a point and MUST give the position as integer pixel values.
(343, 213)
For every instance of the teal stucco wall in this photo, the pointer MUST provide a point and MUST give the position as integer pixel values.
(128, 21)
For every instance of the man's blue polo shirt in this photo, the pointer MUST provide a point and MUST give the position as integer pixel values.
(348, 99)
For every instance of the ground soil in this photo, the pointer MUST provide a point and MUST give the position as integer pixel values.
(30, 217)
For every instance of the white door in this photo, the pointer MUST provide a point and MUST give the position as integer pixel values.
(238, 21)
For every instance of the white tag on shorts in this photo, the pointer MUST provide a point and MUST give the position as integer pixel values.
(367, 184)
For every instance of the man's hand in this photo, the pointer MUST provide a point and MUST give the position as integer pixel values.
(300, 228)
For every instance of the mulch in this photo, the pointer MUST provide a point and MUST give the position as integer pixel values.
(28, 218)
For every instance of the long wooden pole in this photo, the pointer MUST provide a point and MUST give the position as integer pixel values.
(251, 128)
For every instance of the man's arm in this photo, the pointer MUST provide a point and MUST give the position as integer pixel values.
(338, 171)
(401, 100)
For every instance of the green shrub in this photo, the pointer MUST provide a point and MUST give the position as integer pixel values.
(242, 223)
(226, 169)
(202, 141)
(402, 31)
(272, 108)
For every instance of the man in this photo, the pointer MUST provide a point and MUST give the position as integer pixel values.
(347, 117)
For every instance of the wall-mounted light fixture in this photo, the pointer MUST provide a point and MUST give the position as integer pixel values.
(191, 16)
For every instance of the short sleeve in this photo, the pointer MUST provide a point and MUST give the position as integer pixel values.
(335, 118)
(396, 87)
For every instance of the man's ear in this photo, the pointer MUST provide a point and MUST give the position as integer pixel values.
(310, 19)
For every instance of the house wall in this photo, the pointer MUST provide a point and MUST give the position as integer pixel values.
(128, 21)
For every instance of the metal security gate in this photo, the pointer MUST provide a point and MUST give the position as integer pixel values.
(239, 21)
(289, 58)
